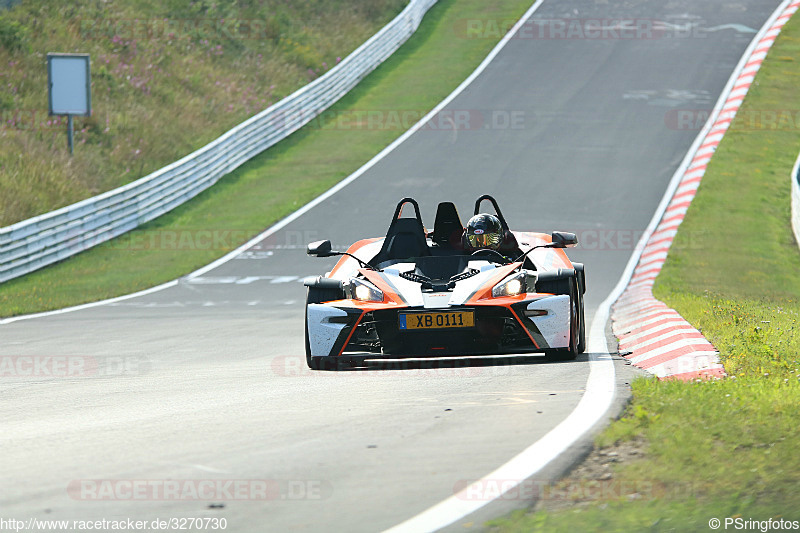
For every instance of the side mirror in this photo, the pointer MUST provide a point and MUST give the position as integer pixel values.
(319, 249)
(563, 239)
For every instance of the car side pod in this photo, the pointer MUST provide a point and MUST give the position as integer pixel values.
(328, 328)
(551, 317)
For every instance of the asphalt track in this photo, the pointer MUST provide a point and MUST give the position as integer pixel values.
(206, 380)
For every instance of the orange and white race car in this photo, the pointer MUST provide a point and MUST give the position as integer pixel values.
(415, 293)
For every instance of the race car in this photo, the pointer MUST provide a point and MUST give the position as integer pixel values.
(415, 293)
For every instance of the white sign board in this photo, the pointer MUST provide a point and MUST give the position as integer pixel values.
(69, 84)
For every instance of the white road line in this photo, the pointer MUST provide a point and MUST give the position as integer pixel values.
(248, 280)
(215, 280)
(284, 279)
(239, 280)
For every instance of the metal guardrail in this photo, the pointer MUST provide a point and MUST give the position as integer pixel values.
(34, 243)
(795, 179)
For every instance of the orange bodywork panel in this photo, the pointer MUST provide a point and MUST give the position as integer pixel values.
(355, 247)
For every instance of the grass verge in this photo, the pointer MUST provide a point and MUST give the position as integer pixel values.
(727, 448)
(419, 75)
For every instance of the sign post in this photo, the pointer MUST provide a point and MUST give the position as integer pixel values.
(69, 88)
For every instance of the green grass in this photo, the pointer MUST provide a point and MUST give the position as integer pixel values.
(167, 78)
(419, 75)
(716, 449)
(721, 448)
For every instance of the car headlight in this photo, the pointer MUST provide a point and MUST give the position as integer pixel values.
(513, 285)
(361, 289)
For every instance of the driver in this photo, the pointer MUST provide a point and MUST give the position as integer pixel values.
(483, 232)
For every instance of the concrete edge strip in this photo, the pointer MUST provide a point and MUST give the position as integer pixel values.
(633, 306)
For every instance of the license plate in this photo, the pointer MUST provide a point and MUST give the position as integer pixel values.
(437, 320)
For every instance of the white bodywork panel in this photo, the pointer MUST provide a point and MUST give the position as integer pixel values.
(437, 300)
(411, 291)
(322, 334)
(466, 288)
(554, 326)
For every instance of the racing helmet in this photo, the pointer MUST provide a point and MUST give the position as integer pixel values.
(483, 231)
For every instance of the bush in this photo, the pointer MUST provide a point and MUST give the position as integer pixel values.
(13, 35)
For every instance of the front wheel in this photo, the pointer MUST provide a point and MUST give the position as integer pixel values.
(582, 328)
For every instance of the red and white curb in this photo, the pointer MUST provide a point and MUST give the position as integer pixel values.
(651, 335)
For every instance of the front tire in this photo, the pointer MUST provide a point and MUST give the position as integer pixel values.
(582, 328)
(577, 338)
